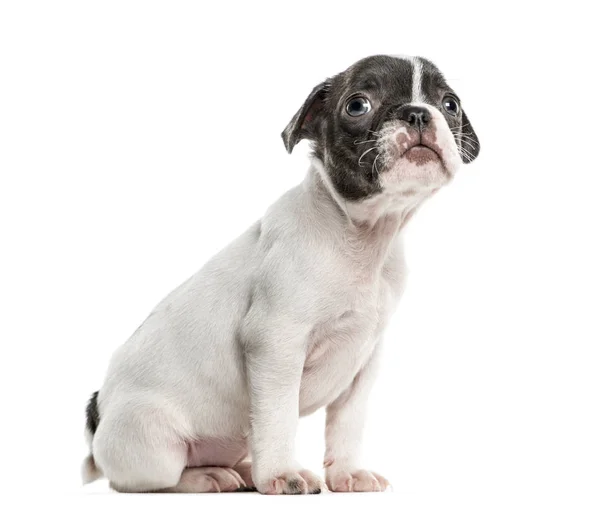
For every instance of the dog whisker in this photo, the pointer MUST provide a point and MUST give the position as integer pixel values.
(361, 156)
(374, 166)
(464, 152)
(472, 143)
(466, 138)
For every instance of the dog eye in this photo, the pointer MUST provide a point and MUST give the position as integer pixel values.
(358, 106)
(451, 106)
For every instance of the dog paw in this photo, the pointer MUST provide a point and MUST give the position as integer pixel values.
(244, 470)
(210, 480)
(359, 481)
(291, 482)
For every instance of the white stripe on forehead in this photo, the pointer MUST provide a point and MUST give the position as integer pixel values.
(417, 78)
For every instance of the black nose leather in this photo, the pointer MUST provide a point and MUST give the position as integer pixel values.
(416, 116)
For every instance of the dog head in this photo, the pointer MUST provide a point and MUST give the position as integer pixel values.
(385, 124)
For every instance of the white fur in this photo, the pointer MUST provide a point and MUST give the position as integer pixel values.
(417, 95)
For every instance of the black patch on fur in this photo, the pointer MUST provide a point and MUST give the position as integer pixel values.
(294, 485)
(245, 489)
(92, 414)
(339, 140)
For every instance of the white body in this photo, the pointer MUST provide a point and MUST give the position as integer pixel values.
(181, 376)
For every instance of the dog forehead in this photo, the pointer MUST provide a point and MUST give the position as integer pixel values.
(401, 77)
(377, 73)
(428, 81)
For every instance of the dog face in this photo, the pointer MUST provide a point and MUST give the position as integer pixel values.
(386, 123)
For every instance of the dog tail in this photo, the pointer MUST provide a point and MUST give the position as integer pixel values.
(89, 469)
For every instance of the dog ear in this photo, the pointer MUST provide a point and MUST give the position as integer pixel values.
(306, 121)
(469, 141)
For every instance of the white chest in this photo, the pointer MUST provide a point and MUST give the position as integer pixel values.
(340, 346)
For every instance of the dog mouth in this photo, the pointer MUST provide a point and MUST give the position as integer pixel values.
(420, 149)
(421, 154)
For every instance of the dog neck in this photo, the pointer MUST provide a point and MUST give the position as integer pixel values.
(367, 229)
(395, 204)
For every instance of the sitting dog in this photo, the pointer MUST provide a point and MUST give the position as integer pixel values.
(205, 396)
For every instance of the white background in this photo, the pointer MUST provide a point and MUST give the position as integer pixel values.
(138, 138)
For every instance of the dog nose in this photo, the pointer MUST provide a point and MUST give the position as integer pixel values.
(416, 116)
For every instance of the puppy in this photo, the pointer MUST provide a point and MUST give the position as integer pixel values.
(289, 317)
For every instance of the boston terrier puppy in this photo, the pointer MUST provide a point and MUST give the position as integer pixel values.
(205, 396)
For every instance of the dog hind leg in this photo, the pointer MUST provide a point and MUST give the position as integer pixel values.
(138, 449)
(207, 479)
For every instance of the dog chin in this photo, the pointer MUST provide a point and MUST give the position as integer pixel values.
(420, 167)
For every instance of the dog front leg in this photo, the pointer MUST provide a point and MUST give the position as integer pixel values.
(274, 367)
(344, 432)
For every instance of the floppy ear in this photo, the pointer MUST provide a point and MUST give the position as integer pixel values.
(469, 141)
(306, 121)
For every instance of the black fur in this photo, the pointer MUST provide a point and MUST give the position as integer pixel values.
(92, 414)
(339, 139)
(294, 485)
